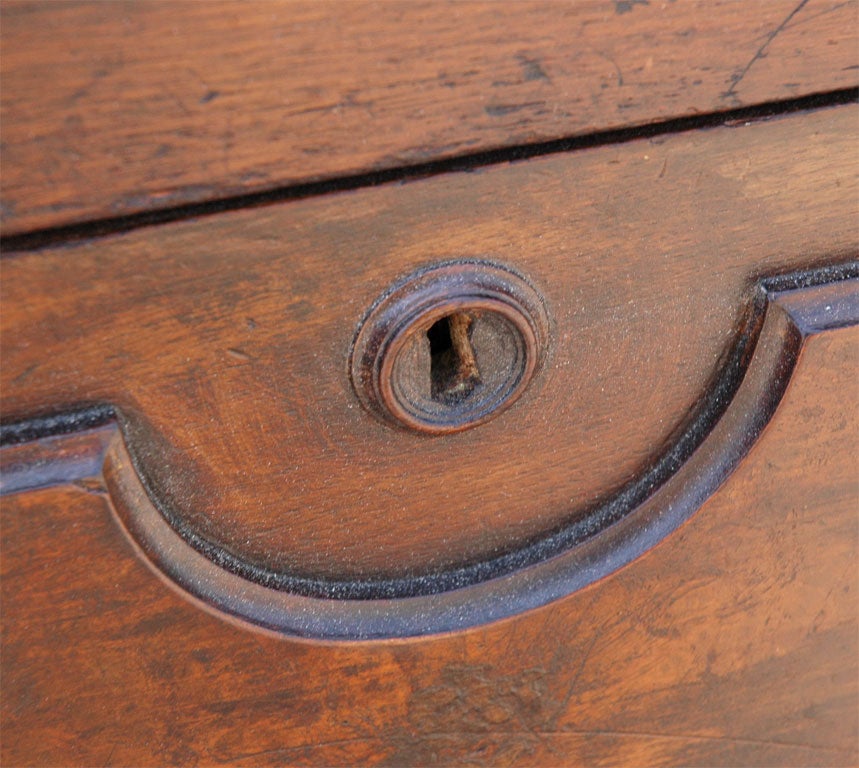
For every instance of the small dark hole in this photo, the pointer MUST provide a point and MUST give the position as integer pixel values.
(453, 366)
(439, 338)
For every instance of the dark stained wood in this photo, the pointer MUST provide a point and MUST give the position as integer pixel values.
(726, 426)
(77, 459)
(111, 108)
(736, 641)
(224, 342)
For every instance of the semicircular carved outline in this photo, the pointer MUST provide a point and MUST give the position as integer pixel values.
(751, 383)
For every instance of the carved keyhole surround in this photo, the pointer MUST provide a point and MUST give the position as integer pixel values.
(450, 347)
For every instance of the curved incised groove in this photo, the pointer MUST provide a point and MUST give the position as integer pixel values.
(752, 381)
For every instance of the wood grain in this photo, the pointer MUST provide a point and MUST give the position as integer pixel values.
(224, 342)
(111, 108)
(734, 642)
(727, 424)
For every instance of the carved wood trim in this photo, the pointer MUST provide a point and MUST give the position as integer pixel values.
(756, 373)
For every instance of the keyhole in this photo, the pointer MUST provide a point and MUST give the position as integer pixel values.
(453, 366)
(450, 347)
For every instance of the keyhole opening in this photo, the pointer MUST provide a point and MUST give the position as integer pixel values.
(453, 366)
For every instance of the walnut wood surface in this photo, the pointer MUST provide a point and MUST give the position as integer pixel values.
(224, 341)
(736, 641)
(727, 424)
(110, 108)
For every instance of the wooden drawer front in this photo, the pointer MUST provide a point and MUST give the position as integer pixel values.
(221, 543)
(735, 642)
(114, 108)
(223, 345)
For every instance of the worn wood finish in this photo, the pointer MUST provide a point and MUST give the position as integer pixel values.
(728, 422)
(224, 342)
(734, 642)
(75, 458)
(111, 108)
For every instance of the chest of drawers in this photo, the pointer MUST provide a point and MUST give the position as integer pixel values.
(413, 384)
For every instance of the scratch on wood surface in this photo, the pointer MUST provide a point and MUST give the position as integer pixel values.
(413, 742)
(649, 735)
(807, 17)
(759, 54)
(291, 750)
(574, 683)
(25, 373)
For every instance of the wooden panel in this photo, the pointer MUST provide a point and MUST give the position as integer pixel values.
(734, 642)
(726, 424)
(224, 342)
(110, 108)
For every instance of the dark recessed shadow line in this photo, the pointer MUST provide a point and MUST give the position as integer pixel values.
(73, 233)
